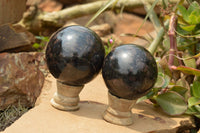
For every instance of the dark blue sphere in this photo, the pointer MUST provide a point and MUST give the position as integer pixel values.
(129, 71)
(75, 55)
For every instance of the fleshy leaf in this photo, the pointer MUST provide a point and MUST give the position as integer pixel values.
(162, 81)
(149, 95)
(195, 89)
(193, 101)
(179, 89)
(189, 62)
(188, 27)
(197, 107)
(191, 111)
(164, 65)
(193, 6)
(172, 103)
(187, 70)
(184, 12)
(194, 17)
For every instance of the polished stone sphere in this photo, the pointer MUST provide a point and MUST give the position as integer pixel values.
(75, 55)
(129, 71)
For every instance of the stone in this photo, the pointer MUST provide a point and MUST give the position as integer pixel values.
(15, 38)
(11, 11)
(129, 23)
(75, 55)
(21, 80)
(50, 6)
(129, 71)
(43, 118)
(70, 2)
(101, 30)
(108, 17)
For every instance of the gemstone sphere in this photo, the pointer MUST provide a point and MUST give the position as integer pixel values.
(75, 55)
(129, 71)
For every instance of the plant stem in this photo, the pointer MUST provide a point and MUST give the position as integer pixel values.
(153, 16)
(173, 44)
(36, 20)
(152, 48)
(172, 38)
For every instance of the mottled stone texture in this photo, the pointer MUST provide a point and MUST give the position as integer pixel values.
(129, 71)
(75, 55)
(20, 78)
(15, 39)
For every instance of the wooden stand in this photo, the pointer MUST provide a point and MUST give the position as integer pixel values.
(119, 111)
(67, 97)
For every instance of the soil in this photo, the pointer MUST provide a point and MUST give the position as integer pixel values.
(130, 23)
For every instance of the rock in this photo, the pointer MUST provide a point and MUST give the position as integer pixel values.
(93, 102)
(50, 6)
(15, 38)
(33, 2)
(129, 23)
(70, 2)
(21, 80)
(11, 11)
(102, 30)
(106, 17)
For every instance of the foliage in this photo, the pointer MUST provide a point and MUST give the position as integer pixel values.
(177, 90)
(42, 43)
(109, 45)
(194, 100)
(173, 91)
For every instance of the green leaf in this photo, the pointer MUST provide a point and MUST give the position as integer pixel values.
(194, 17)
(193, 101)
(194, 110)
(197, 107)
(187, 70)
(191, 111)
(189, 61)
(179, 89)
(172, 103)
(43, 38)
(188, 27)
(195, 89)
(183, 12)
(36, 45)
(149, 95)
(162, 81)
(193, 6)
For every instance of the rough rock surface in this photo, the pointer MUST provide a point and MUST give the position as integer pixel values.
(15, 38)
(44, 118)
(11, 11)
(20, 78)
